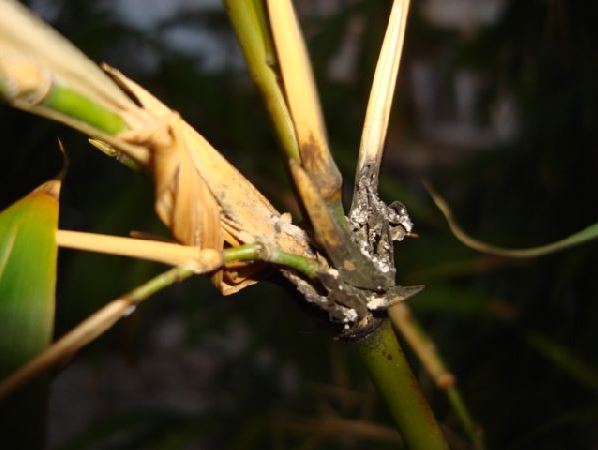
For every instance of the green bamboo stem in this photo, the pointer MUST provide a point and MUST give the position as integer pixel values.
(63, 100)
(251, 26)
(252, 252)
(390, 372)
(76, 106)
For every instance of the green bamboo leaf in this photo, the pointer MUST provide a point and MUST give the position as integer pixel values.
(27, 292)
(27, 275)
(587, 234)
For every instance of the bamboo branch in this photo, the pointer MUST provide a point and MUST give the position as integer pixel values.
(423, 346)
(587, 234)
(191, 258)
(425, 349)
(88, 330)
(257, 252)
(250, 23)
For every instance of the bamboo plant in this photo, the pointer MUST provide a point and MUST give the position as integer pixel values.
(342, 261)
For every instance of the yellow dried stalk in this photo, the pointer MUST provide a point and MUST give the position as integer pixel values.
(382, 92)
(188, 257)
(302, 99)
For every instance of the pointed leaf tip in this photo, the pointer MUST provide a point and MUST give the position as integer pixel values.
(27, 275)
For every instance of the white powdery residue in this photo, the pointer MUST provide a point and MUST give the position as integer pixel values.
(376, 303)
(364, 251)
(382, 265)
(333, 273)
(359, 216)
(350, 315)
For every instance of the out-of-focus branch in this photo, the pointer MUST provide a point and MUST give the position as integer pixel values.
(425, 349)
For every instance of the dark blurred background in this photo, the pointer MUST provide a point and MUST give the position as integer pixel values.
(497, 104)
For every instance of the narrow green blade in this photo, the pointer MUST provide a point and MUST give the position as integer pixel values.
(587, 234)
(27, 295)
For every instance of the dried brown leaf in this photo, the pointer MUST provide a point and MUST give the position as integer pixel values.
(202, 197)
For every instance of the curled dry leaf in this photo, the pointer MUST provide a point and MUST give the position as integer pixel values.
(187, 168)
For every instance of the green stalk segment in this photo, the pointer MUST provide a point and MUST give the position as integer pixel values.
(390, 372)
(76, 106)
(248, 252)
(308, 267)
(257, 252)
(249, 20)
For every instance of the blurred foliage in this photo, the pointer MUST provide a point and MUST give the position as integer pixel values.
(238, 363)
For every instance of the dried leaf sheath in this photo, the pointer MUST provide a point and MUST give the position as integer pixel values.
(302, 99)
(232, 210)
(381, 96)
(246, 214)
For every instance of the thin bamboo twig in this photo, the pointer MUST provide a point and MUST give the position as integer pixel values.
(423, 346)
(23, 81)
(587, 234)
(98, 323)
(257, 252)
(425, 349)
(470, 426)
(191, 258)
(390, 372)
(381, 96)
(249, 21)
(88, 330)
